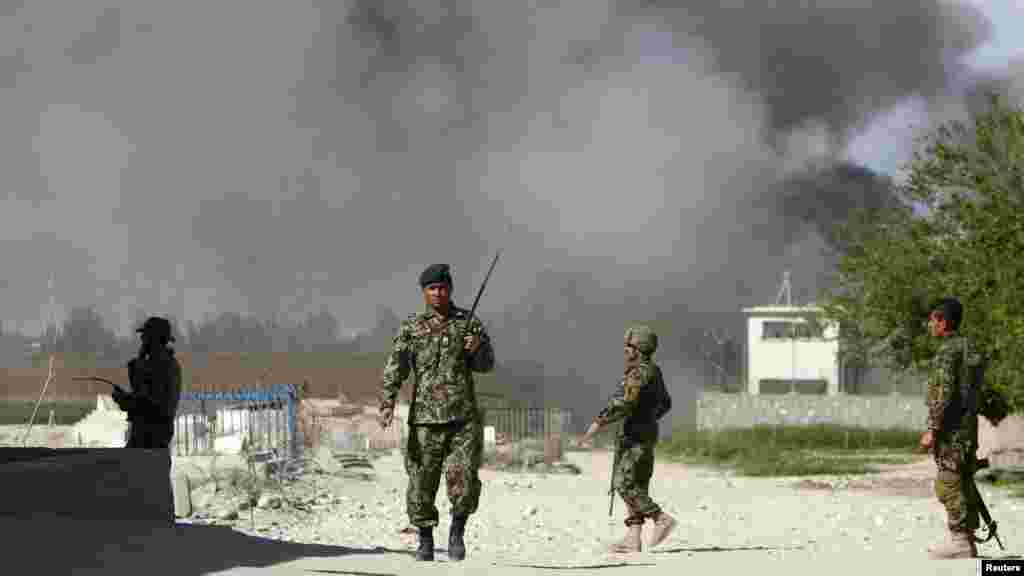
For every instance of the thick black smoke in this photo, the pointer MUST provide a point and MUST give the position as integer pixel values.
(637, 161)
(493, 120)
(826, 196)
(830, 61)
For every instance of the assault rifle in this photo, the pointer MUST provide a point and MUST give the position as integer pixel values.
(990, 524)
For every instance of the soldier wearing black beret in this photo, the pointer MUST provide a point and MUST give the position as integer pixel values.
(441, 347)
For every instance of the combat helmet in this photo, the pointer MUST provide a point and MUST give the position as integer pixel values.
(645, 340)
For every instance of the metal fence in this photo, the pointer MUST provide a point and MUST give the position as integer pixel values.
(515, 424)
(261, 418)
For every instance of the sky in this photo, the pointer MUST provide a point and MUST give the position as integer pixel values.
(885, 145)
(192, 158)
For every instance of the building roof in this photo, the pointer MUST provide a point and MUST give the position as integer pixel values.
(782, 310)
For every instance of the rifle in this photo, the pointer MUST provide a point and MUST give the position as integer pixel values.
(611, 480)
(116, 387)
(968, 400)
(990, 524)
(479, 293)
(141, 404)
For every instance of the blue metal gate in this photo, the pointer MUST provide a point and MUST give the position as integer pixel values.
(261, 418)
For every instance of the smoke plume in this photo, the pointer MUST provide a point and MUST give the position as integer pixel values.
(649, 161)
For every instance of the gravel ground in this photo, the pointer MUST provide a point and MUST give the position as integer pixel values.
(534, 524)
(563, 519)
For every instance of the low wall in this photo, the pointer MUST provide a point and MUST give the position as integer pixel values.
(86, 484)
(717, 411)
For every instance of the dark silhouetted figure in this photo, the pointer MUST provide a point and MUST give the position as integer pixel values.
(152, 404)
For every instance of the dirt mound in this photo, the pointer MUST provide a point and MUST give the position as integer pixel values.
(905, 486)
(810, 484)
(913, 480)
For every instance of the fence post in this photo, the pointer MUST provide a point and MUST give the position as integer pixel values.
(292, 417)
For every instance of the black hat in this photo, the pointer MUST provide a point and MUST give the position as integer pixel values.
(952, 310)
(436, 273)
(158, 327)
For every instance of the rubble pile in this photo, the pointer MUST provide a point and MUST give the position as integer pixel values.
(520, 459)
(286, 504)
(104, 427)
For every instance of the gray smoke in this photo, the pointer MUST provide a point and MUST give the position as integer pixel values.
(272, 159)
(831, 61)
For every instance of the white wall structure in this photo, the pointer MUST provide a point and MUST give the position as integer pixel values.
(787, 353)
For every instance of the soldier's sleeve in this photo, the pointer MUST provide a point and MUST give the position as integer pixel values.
(940, 388)
(397, 368)
(625, 399)
(482, 360)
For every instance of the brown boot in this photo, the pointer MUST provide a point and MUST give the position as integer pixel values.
(663, 526)
(959, 545)
(629, 544)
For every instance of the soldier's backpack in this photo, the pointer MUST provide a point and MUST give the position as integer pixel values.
(975, 396)
(663, 401)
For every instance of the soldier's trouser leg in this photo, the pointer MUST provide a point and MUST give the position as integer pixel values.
(632, 479)
(462, 465)
(424, 458)
(951, 488)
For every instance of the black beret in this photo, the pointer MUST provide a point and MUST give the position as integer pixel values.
(436, 273)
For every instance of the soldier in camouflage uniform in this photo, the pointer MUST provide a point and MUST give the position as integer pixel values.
(640, 401)
(445, 429)
(952, 434)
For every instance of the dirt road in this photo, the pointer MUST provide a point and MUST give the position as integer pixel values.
(540, 524)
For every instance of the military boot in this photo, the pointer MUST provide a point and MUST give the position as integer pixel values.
(958, 545)
(663, 526)
(631, 543)
(456, 544)
(426, 550)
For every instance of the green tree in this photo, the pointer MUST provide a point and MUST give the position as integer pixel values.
(958, 231)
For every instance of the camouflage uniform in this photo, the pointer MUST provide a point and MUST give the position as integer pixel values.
(955, 435)
(636, 401)
(445, 430)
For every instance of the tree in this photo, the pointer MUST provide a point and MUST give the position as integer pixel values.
(380, 337)
(85, 334)
(958, 231)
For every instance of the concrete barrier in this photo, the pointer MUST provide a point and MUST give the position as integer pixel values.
(87, 483)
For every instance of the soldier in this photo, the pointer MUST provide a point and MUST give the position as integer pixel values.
(952, 433)
(152, 404)
(641, 400)
(444, 422)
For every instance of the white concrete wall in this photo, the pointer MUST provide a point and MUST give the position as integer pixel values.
(782, 359)
(717, 411)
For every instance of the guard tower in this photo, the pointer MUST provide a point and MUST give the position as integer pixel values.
(790, 348)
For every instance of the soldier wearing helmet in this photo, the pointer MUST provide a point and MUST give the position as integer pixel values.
(640, 401)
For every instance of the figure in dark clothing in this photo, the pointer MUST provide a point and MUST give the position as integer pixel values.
(152, 404)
